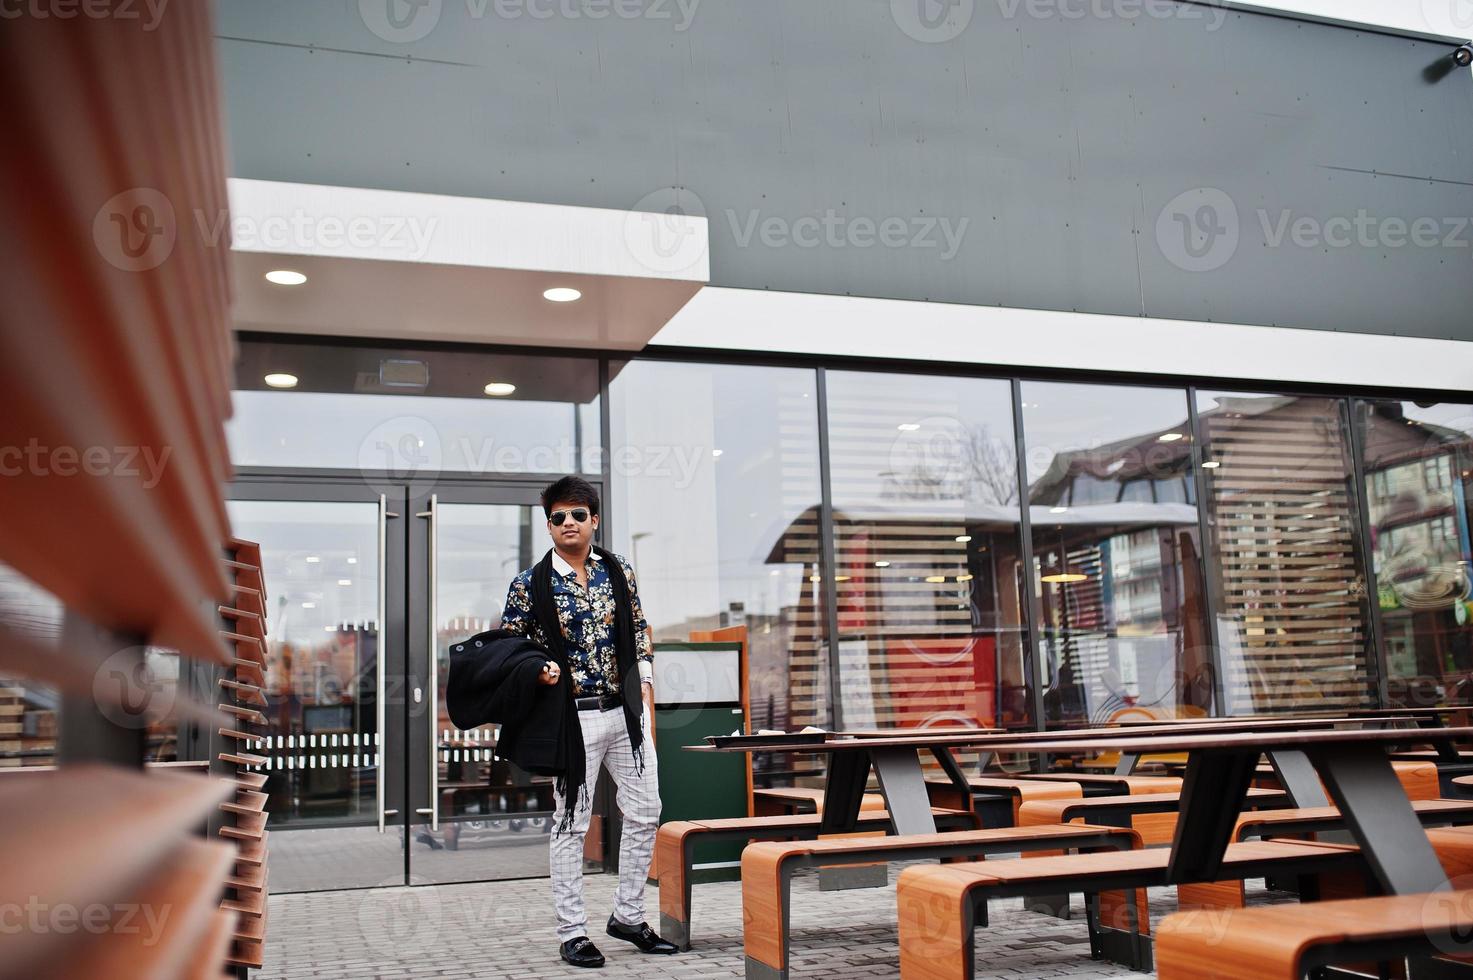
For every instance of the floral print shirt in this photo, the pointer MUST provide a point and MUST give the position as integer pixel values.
(587, 616)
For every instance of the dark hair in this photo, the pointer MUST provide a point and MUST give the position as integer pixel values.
(573, 490)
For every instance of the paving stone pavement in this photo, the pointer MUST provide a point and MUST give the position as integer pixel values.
(505, 929)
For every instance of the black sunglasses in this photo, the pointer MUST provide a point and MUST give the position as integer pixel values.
(557, 517)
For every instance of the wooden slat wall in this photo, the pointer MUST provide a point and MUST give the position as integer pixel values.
(1284, 536)
(115, 362)
(110, 359)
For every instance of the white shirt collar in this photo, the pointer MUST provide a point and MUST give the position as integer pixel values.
(561, 566)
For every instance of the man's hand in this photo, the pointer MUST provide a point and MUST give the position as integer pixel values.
(549, 675)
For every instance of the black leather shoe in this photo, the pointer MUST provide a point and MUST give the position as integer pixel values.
(580, 951)
(641, 936)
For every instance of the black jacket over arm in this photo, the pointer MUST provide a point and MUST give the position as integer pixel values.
(493, 680)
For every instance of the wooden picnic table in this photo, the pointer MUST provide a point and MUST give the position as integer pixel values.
(1353, 764)
(896, 761)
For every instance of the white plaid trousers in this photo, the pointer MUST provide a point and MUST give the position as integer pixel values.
(606, 743)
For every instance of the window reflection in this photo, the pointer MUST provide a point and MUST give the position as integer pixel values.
(1293, 618)
(930, 609)
(1418, 470)
(715, 501)
(1116, 553)
(414, 413)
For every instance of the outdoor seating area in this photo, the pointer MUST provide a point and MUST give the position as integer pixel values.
(1330, 815)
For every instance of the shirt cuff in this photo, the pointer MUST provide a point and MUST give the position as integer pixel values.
(646, 672)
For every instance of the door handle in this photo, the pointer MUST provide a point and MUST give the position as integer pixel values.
(381, 667)
(433, 810)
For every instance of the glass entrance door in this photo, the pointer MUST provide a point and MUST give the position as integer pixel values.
(368, 587)
(475, 817)
(333, 556)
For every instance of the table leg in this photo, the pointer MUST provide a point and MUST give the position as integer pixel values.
(1212, 796)
(904, 786)
(953, 772)
(1298, 777)
(1127, 763)
(1376, 809)
(843, 791)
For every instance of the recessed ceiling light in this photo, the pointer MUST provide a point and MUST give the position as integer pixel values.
(841, 578)
(908, 426)
(936, 579)
(309, 605)
(1058, 510)
(562, 294)
(345, 581)
(716, 452)
(1065, 578)
(313, 558)
(882, 564)
(963, 538)
(1211, 464)
(964, 578)
(285, 277)
(281, 380)
(499, 389)
(1169, 437)
(352, 561)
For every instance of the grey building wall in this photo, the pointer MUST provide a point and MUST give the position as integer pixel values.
(1016, 155)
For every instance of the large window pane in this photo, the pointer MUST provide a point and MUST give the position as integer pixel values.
(1418, 470)
(1117, 569)
(931, 618)
(715, 496)
(1293, 619)
(414, 413)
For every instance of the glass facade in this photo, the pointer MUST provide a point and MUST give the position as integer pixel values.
(1117, 573)
(924, 483)
(1292, 619)
(1418, 473)
(1183, 552)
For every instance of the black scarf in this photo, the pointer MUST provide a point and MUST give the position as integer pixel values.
(570, 784)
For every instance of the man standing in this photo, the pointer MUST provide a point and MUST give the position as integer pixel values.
(581, 603)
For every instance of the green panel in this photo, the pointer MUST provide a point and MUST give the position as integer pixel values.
(701, 785)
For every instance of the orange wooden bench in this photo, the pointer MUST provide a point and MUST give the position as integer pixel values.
(940, 907)
(1008, 793)
(1286, 941)
(767, 872)
(1111, 784)
(783, 800)
(1153, 815)
(675, 844)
